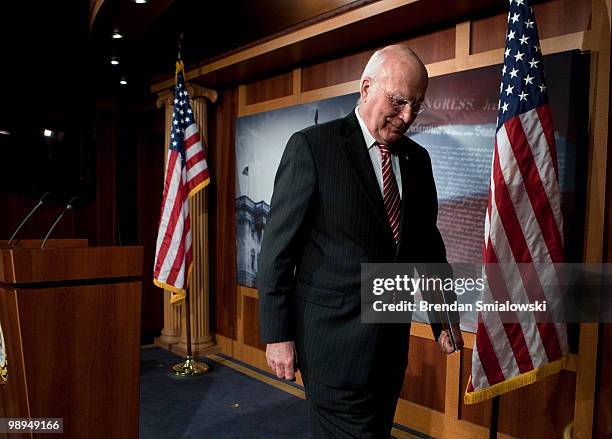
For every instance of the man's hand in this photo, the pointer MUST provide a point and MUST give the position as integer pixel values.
(446, 343)
(281, 359)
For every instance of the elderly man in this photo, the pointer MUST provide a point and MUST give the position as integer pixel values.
(349, 191)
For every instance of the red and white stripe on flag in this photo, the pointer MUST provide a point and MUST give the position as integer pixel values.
(523, 229)
(186, 174)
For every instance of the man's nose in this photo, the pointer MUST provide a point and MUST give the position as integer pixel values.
(407, 114)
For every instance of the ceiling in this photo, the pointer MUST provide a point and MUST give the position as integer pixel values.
(43, 48)
(210, 28)
(57, 63)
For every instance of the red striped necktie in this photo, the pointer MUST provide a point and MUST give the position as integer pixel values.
(391, 194)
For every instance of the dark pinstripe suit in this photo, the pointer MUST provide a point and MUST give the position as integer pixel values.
(326, 218)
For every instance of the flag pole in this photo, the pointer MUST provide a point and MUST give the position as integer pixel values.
(189, 367)
(494, 418)
(180, 45)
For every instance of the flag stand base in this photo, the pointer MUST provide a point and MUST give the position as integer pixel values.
(190, 368)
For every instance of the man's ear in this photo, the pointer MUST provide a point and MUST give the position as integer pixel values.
(364, 88)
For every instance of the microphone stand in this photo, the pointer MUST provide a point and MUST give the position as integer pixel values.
(66, 209)
(25, 220)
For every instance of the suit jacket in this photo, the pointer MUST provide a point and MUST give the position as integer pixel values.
(327, 216)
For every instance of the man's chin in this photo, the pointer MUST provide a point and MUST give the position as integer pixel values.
(393, 137)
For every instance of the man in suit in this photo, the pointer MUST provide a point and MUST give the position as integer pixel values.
(350, 191)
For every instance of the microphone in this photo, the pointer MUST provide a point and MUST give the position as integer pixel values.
(41, 201)
(69, 206)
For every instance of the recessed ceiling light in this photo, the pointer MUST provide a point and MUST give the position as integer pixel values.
(141, 2)
(5, 133)
(114, 61)
(117, 35)
(47, 133)
(123, 81)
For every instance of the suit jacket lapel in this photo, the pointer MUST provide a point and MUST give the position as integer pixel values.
(357, 155)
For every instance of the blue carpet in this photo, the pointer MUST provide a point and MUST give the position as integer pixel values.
(222, 404)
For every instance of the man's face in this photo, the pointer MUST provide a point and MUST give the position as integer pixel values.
(383, 107)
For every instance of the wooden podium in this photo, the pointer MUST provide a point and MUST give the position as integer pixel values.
(70, 315)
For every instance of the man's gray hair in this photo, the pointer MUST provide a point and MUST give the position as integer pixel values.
(372, 69)
(375, 69)
(374, 66)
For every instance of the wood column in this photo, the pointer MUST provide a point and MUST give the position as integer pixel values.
(173, 336)
(171, 331)
(599, 118)
(201, 337)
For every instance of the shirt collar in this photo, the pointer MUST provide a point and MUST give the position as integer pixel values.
(370, 141)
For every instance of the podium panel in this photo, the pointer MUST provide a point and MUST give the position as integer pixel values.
(71, 323)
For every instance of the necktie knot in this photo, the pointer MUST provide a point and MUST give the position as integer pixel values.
(384, 149)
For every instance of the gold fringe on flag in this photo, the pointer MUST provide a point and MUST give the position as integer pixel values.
(514, 383)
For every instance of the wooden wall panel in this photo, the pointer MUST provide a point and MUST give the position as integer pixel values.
(16, 207)
(603, 413)
(222, 213)
(479, 414)
(433, 47)
(543, 409)
(608, 223)
(560, 17)
(557, 17)
(335, 71)
(250, 322)
(488, 33)
(603, 410)
(426, 375)
(269, 88)
(150, 186)
(106, 134)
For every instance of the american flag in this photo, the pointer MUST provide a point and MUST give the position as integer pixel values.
(186, 174)
(523, 225)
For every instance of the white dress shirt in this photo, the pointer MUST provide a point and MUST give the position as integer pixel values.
(374, 151)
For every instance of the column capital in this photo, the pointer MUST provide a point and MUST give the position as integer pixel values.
(166, 97)
(197, 91)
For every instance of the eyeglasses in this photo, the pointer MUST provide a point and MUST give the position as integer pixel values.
(399, 103)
